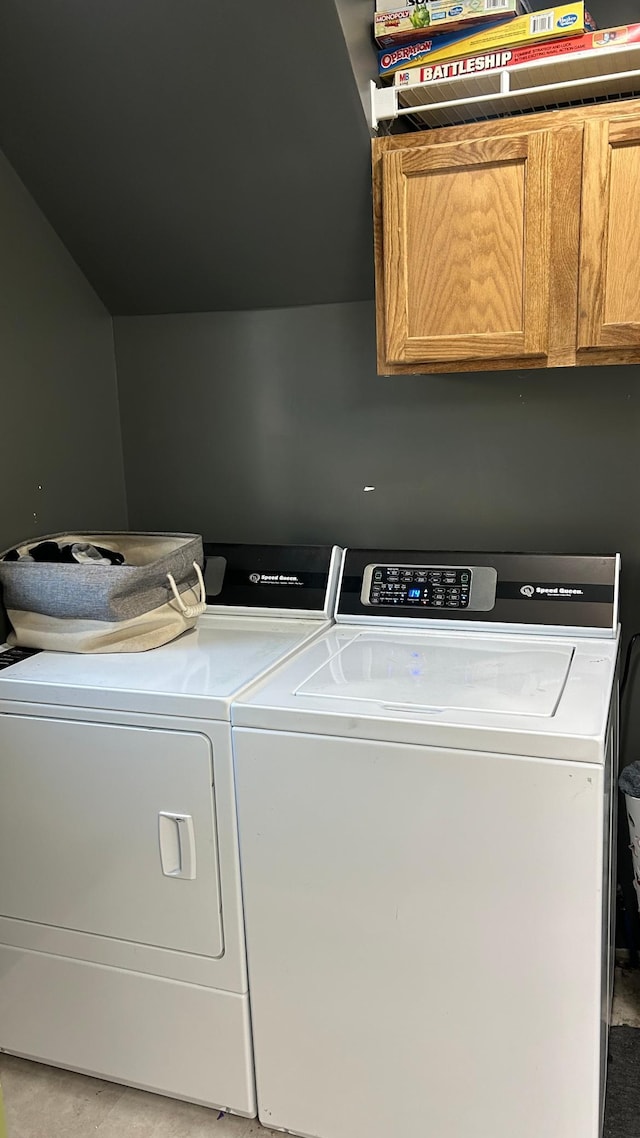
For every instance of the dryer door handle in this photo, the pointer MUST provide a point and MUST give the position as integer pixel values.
(177, 840)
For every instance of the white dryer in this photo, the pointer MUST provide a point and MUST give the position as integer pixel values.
(121, 932)
(426, 820)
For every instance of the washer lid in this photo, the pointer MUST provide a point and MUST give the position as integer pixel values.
(495, 676)
(537, 695)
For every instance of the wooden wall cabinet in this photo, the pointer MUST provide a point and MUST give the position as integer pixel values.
(510, 244)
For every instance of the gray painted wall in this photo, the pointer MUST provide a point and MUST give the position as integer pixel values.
(60, 428)
(355, 19)
(267, 425)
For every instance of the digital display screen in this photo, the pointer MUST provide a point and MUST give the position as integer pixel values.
(414, 594)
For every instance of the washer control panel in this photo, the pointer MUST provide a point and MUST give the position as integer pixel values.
(423, 585)
(432, 587)
(9, 656)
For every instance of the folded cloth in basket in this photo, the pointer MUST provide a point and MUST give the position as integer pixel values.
(56, 552)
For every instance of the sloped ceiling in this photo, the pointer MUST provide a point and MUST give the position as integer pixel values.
(198, 155)
(193, 155)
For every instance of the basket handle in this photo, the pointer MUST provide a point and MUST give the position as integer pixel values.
(190, 610)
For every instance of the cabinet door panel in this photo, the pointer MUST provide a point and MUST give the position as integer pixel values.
(466, 249)
(609, 313)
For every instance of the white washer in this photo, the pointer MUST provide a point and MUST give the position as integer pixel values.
(426, 823)
(121, 933)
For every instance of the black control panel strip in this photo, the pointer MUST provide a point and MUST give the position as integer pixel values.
(527, 589)
(263, 577)
(12, 656)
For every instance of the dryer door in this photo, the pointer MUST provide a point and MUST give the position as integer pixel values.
(110, 830)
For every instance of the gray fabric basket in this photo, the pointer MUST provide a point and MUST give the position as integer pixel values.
(106, 608)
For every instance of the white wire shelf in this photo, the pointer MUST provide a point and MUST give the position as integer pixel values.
(545, 84)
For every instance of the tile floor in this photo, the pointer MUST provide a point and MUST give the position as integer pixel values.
(43, 1102)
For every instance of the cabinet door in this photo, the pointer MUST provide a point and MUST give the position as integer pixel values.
(466, 249)
(609, 311)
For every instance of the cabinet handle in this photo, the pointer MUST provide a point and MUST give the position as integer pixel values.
(177, 845)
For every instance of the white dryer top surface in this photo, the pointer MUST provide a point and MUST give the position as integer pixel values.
(196, 675)
(528, 695)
